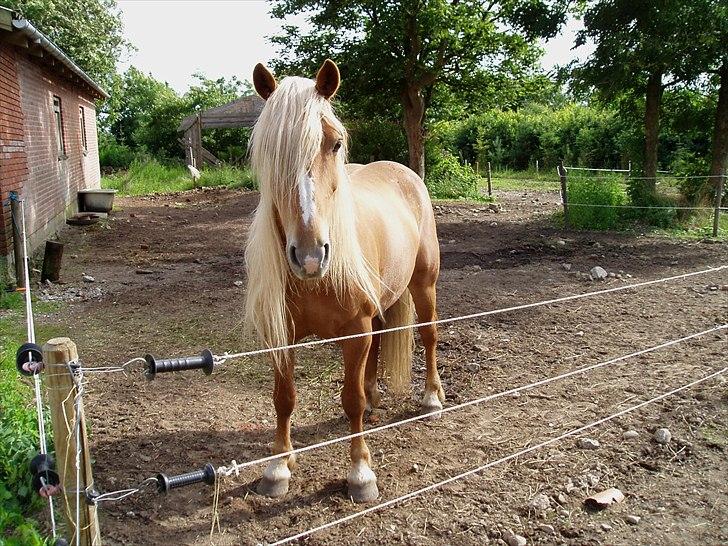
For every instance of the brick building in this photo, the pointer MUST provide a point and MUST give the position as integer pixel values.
(48, 145)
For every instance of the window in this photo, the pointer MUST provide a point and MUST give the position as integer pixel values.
(59, 125)
(82, 118)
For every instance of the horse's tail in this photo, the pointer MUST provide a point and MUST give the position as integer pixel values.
(396, 347)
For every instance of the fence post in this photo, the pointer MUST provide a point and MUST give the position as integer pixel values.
(562, 176)
(490, 183)
(57, 353)
(718, 199)
(17, 246)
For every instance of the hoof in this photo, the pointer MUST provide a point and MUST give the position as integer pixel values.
(275, 479)
(432, 404)
(367, 492)
(362, 483)
(271, 488)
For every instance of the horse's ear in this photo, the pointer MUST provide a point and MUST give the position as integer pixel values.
(263, 81)
(327, 79)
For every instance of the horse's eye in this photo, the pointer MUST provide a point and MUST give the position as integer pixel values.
(337, 146)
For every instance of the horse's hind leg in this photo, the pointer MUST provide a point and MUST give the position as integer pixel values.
(361, 479)
(370, 373)
(424, 297)
(278, 473)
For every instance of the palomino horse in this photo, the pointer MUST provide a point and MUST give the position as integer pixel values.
(334, 250)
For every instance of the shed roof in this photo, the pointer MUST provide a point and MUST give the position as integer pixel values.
(242, 112)
(21, 32)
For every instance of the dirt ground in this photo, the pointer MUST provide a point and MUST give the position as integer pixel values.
(165, 271)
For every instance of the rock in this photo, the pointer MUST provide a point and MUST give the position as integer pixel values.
(144, 246)
(74, 256)
(494, 224)
(539, 503)
(662, 436)
(561, 242)
(612, 275)
(632, 520)
(472, 367)
(587, 443)
(513, 539)
(144, 271)
(606, 527)
(548, 529)
(567, 267)
(630, 435)
(598, 273)
(415, 468)
(494, 207)
(88, 278)
(238, 283)
(563, 499)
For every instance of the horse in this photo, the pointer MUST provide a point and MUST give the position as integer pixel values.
(334, 250)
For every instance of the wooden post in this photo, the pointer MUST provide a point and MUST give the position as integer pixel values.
(564, 199)
(490, 182)
(52, 261)
(16, 216)
(718, 199)
(477, 167)
(57, 353)
(197, 142)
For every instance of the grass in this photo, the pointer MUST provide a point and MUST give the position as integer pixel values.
(151, 176)
(18, 429)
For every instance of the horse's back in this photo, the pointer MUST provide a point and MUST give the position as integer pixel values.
(397, 206)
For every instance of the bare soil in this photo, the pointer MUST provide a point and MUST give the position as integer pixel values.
(166, 267)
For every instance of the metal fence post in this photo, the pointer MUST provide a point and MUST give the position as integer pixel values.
(718, 199)
(562, 177)
(490, 182)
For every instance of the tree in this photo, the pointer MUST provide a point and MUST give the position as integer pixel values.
(89, 31)
(394, 55)
(643, 48)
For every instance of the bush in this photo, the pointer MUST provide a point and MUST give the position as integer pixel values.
(114, 155)
(447, 178)
(604, 193)
(18, 445)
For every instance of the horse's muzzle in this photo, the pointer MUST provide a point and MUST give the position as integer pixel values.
(309, 263)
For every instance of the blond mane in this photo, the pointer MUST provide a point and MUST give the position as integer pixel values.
(285, 141)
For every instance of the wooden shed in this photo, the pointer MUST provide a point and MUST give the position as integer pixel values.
(242, 112)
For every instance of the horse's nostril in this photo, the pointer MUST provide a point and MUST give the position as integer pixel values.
(292, 252)
(326, 253)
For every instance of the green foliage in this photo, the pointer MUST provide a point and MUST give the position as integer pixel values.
(600, 194)
(149, 176)
(516, 140)
(114, 155)
(376, 139)
(11, 300)
(89, 31)
(437, 52)
(447, 178)
(18, 445)
(143, 114)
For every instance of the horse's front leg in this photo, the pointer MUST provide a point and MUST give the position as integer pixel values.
(361, 480)
(278, 473)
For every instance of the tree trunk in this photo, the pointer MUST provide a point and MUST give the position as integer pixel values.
(719, 162)
(414, 112)
(652, 130)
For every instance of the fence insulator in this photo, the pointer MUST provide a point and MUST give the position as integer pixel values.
(205, 362)
(29, 358)
(166, 483)
(41, 467)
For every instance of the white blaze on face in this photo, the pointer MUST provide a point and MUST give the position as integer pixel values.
(305, 196)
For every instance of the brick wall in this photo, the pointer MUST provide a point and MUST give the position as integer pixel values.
(53, 178)
(13, 157)
(31, 163)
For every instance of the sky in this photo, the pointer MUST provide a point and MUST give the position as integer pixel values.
(176, 38)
